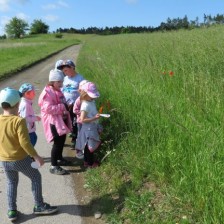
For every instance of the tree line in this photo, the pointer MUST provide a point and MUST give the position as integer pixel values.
(170, 24)
(16, 28)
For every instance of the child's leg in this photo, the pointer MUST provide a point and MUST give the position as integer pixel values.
(12, 184)
(57, 149)
(35, 177)
(88, 156)
(33, 138)
(11, 170)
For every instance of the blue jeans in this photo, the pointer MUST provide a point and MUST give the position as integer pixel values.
(33, 138)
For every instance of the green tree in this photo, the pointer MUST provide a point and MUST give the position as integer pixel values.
(38, 27)
(16, 27)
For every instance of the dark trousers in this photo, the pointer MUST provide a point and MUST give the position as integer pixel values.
(88, 156)
(33, 138)
(57, 149)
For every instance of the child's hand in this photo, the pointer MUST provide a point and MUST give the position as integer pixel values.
(97, 116)
(70, 106)
(39, 160)
(38, 118)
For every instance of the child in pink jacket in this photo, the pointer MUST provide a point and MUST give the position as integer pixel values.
(26, 110)
(56, 119)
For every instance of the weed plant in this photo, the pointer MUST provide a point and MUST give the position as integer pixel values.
(164, 139)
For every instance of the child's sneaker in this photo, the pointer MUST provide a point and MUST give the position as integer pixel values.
(12, 215)
(58, 170)
(45, 209)
(64, 162)
(79, 154)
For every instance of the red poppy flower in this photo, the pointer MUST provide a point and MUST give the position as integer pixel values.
(171, 73)
(101, 109)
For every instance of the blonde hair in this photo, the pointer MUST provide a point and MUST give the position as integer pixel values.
(83, 95)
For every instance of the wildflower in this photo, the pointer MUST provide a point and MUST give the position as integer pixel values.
(184, 217)
(171, 73)
(101, 109)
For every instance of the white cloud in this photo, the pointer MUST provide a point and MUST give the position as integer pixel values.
(22, 16)
(3, 21)
(4, 5)
(51, 18)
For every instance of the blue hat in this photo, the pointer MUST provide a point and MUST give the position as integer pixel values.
(26, 87)
(69, 63)
(10, 96)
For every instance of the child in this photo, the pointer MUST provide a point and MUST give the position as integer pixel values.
(70, 90)
(88, 136)
(56, 119)
(26, 110)
(76, 110)
(16, 151)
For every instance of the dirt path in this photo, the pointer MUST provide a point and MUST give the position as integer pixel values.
(65, 191)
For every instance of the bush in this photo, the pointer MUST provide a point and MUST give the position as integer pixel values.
(58, 35)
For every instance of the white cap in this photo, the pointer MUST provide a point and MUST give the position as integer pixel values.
(59, 63)
(56, 75)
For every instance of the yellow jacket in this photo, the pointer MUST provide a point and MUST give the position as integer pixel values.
(14, 139)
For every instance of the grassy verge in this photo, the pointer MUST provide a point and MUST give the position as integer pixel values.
(164, 139)
(17, 54)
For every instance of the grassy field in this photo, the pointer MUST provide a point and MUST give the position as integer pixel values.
(164, 140)
(163, 144)
(17, 54)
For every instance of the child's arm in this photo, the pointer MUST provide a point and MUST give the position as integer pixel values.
(77, 106)
(85, 119)
(27, 114)
(50, 108)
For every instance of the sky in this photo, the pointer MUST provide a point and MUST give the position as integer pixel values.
(105, 13)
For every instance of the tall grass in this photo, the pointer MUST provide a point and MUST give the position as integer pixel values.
(166, 161)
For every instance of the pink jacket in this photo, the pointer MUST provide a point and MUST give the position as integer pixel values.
(52, 106)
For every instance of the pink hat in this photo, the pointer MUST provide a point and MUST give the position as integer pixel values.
(82, 84)
(91, 90)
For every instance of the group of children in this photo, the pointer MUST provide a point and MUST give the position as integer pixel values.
(67, 105)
